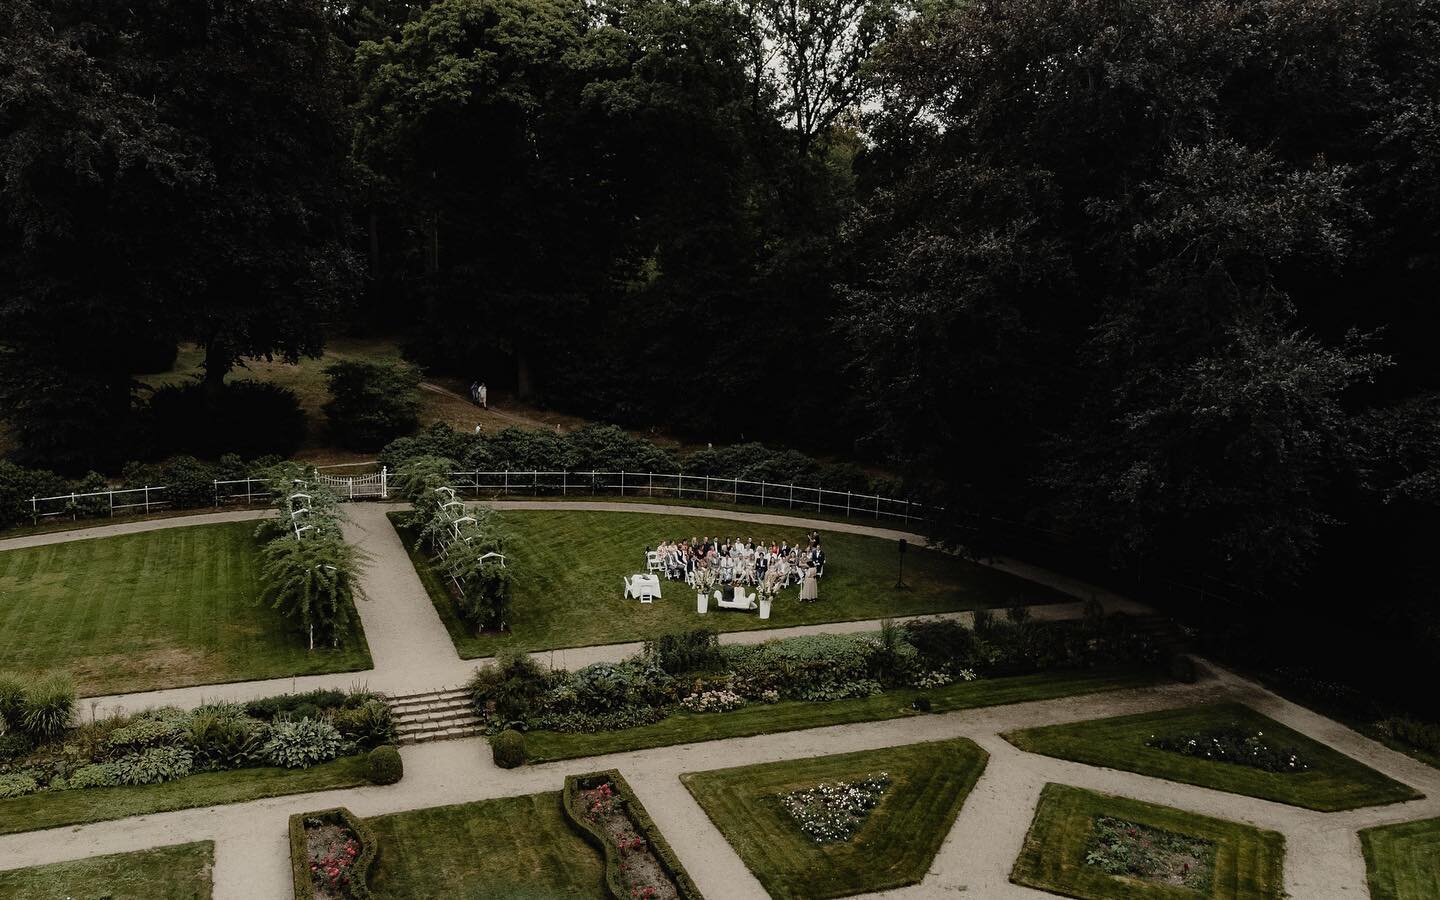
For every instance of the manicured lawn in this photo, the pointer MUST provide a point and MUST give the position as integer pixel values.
(568, 567)
(1247, 864)
(1333, 782)
(1403, 860)
(50, 809)
(158, 609)
(893, 846)
(181, 872)
(768, 718)
(516, 847)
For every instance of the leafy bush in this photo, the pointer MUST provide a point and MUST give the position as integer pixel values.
(47, 706)
(1416, 733)
(942, 643)
(313, 582)
(818, 666)
(153, 766)
(17, 785)
(488, 588)
(386, 766)
(248, 418)
(371, 403)
(508, 749)
(93, 776)
(14, 745)
(439, 441)
(510, 688)
(304, 743)
(269, 708)
(368, 725)
(220, 740)
(18, 484)
(680, 652)
(142, 734)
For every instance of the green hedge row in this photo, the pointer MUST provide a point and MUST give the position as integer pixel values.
(644, 825)
(300, 857)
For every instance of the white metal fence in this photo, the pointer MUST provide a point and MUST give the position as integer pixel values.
(492, 485)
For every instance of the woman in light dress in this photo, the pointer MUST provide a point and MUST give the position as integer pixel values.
(810, 590)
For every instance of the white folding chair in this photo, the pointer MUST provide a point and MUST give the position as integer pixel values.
(652, 562)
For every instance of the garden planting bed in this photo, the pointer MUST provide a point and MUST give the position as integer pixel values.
(1095, 846)
(1224, 746)
(331, 853)
(167, 758)
(639, 864)
(687, 687)
(832, 826)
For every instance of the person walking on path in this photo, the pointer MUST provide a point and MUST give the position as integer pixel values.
(482, 396)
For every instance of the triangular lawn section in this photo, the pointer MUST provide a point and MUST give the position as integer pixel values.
(1333, 782)
(892, 848)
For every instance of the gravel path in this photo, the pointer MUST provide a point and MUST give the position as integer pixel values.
(412, 651)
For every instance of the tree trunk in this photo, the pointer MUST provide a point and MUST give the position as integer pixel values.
(217, 366)
(523, 382)
(374, 245)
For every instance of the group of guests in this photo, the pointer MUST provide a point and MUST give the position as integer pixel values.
(746, 562)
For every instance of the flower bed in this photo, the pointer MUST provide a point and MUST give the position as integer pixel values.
(639, 864)
(1234, 744)
(1120, 847)
(330, 855)
(831, 812)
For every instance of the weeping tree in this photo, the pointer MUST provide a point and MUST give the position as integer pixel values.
(313, 581)
(485, 584)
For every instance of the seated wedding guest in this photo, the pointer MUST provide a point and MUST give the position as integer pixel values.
(727, 569)
(762, 565)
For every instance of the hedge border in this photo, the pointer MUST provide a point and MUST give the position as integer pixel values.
(640, 818)
(304, 887)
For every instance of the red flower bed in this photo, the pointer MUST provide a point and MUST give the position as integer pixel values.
(643, 876)
(333, 850)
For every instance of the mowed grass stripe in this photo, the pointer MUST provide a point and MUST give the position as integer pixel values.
(895, 845)
(51, 809)
(1248, 863)
(569, 564)
(514, 847)
(1333, 782)
(1403, 861)
(158, 609)
(180, 872)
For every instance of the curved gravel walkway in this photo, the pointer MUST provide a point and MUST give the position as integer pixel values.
(412, 651)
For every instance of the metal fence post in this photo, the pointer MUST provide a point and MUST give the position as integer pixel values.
(565, 483)
(707, 486)
(34, 511)
(847, 504)
(652, 484)
(535, 482)
(877, 506)
(110, 495)
(507, 482)
(622, 482)
(792, 496)
(74, 511)
(147, 499)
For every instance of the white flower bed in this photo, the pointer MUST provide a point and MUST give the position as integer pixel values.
(832, 812)
(713, 701)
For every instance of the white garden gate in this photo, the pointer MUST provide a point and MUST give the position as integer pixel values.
(359, 487)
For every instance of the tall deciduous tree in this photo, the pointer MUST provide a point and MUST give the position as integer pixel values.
(172, 170)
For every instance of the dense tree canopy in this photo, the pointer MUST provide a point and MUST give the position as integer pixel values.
(1152, 275)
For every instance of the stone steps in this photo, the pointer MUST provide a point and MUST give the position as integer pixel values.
(434, 716)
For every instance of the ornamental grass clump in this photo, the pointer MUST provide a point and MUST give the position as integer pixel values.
(832, 811)
(47, 706)
(1234, 744)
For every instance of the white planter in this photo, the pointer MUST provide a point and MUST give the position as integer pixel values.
(702, 601)
(765, 609)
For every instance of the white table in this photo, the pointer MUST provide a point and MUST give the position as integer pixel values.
(643, 587)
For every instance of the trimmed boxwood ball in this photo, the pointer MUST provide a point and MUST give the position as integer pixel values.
(508, 748)
(386, 766)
